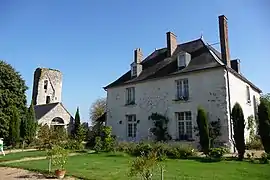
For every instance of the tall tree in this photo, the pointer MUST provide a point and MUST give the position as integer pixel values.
(202, 123)
(264, 123)
(30, 124)
(77, 123)
(14, 127)
(98, 108)
(12, 93)
(239, 129)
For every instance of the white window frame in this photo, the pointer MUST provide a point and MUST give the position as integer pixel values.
(131, 125)
(130, 95)
(248, 94)
(185, 118)
(134, 70)
(182, 89)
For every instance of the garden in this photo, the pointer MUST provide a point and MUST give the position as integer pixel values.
(96, 154)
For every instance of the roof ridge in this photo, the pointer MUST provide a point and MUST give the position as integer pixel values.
(47, 104)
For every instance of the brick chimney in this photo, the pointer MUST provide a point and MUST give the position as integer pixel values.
(224, 44)
(138, 55)
(171, 43)
(136, 67)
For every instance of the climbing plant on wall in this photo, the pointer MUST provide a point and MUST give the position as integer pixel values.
(160, 129)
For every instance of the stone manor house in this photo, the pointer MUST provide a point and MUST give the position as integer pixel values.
(174, 81)
(47, 96)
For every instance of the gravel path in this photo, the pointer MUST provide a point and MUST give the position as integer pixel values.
(7, 173)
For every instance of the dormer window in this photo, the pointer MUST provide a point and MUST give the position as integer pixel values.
(183, 60)
(134, 70)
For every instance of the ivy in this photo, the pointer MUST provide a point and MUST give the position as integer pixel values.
(250, 127)
(160, 129)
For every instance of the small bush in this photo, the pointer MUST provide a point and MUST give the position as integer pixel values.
(217, 153)
(161, 150)
(74, 145)
(180, 151)
(255, 144)
(98, 144)
(265, 158)
(127, 147)
(142, 147)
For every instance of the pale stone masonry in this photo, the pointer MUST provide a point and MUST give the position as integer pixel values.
(47, 96)
(175, 81)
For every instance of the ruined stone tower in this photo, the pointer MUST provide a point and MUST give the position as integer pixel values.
(47, 87)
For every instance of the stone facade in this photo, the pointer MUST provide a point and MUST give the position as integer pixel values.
(207, 88)
(47, 86)
(47, 96)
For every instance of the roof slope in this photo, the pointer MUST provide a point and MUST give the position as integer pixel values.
(158, 65)
(41, 110)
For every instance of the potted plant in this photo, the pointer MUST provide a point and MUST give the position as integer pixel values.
(59, 159)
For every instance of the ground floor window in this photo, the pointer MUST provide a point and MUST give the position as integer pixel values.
(184, 125)
(131, 126)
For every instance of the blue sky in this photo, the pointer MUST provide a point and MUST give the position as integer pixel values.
(92, 41)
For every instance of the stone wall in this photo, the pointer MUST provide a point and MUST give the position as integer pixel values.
(54, 88)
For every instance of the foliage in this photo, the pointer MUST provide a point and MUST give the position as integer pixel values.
(214, 132)
(12, 94)
(77, 123)
(265, 158)
(163, 150)
(254, 144)
(59, 156)
(217, 153)
(14, 128)
(264, 123)
(98, 108)
(144, 165)
(29, 126)
(239, 130)
(251, 127)
(161, 127)
(108, 140)
(73, 144)
(48, 137)
(98, 144)
(202, 123)
(180, 151)
(251, 157)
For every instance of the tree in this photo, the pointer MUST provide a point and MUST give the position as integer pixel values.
(264, 123)
(239, 130)
(77, 123)
(31, 124)
(98, 108)
(12, 94)
(202, 123)
(14, 128)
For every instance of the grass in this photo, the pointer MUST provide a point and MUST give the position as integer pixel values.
(116, 166)
(21, 155)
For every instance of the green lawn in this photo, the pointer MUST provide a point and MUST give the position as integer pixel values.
(110, 167)
(21, 155)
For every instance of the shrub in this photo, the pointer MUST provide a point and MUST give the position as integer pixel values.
(142, 147)
(264, 123)
(265, 158)
(239, 130)
(254, 144)
(59, 156)
(179, 151)
(98, 144)
(127, 147)
(202, 123)
(217, 153)
(161, 150)
(251, 157)
(143, 166)
(74, 145)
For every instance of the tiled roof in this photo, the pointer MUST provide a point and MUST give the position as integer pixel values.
(158, 64)
(41, 110)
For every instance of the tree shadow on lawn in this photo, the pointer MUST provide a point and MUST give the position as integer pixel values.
(213, 160)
